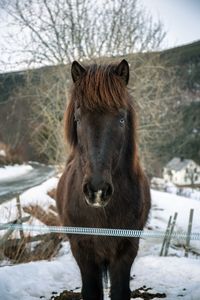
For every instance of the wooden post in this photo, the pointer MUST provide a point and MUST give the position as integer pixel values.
(166, 235)
(170, 234)
(187, 245)
(19, 216)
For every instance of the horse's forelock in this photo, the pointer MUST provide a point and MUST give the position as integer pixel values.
(100, 89)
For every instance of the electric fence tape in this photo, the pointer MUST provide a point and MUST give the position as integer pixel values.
(98, 231)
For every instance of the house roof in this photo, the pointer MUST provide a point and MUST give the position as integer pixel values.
(178, 163)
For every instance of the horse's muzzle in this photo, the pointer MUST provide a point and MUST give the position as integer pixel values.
(97, 195)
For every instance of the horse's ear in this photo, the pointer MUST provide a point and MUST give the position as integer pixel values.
(77, 70)
(122, 70)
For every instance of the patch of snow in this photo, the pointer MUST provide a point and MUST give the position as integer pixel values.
(35, 279)
(9, 173)
(167, 204)
(185, 192)
(38, 194)
(170, 275)
(34, 196)
(161, 185)
(2, 153)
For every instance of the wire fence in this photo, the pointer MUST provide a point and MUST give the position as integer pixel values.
(100, 231)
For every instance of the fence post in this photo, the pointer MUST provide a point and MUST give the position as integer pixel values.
(166, 234)
(170, 234)
(187, 245)
(19, 216)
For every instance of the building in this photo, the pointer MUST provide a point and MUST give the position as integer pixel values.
(182, 171)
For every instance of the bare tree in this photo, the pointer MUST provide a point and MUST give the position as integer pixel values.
(63, 30)
(155, 88)
(45, 92)
(126, 28)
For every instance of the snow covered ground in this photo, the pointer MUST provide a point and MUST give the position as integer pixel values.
(169, 187)
(174, 275)
(12, 172)
(17, 178)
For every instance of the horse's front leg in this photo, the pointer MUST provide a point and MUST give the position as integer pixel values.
(119, 271)
(92, 288)
(120, 277)
(91, 274)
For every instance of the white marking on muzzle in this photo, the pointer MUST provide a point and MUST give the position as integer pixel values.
(97, 200)
(98, 195)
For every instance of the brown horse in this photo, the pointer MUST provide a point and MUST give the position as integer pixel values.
(103, 184)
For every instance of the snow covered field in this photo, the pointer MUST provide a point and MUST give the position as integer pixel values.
(174, 275)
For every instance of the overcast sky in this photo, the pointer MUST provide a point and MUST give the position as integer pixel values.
(181, 19)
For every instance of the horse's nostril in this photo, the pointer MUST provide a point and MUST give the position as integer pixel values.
(87, 190)
(107, 191)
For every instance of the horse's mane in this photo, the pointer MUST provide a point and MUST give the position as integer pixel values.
(100, 89)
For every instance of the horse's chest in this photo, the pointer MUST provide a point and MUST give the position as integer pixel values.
(106, 247)
(101, 248)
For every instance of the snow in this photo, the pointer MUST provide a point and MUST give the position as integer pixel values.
(2, 152)
(31, 281)
(169, 187)
(35, 279)
(34, 196)
(38, 194)
(15, 171)
(170, 275)
(170, 203)
(174, 275)
(182, 191)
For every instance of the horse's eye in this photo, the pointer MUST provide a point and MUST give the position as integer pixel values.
(77, 119)
(77, 115)
(122, 121)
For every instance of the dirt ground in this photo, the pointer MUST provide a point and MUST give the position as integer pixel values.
(143, 293)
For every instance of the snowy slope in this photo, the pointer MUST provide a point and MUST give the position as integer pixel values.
(178, 277)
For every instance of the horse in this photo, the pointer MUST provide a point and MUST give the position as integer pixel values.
(103, 184)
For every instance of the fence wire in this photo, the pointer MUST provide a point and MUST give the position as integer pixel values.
(99, 231)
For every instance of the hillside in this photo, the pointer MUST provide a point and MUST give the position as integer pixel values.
(179, 56)
(187, 60)
(9, 82)
(183, 54)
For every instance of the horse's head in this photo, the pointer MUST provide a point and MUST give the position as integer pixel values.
(97, 123)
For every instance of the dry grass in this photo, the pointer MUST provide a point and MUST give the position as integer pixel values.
(21, 247)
